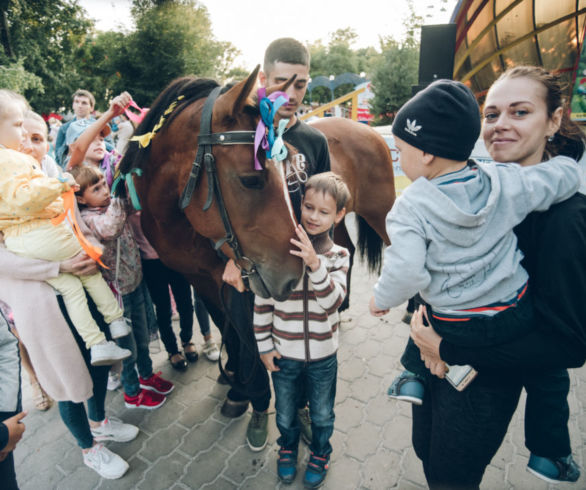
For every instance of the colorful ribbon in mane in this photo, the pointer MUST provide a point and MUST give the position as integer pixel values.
(91, 250)
(265, 131)
(133, 116)
(145, 139)
(127, 178)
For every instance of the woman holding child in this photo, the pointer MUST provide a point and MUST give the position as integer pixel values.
(450, 433)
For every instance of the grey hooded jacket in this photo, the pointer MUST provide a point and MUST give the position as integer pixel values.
(452, 237)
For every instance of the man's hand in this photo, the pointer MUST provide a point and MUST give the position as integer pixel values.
(375, 310)
(80, 265)
(436, 366)
(306, 250)
(15, 431)
(426, 338)
(268, 360)
(233, 276)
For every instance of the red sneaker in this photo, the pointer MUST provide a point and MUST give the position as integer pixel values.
(157, 384)
(148, 400)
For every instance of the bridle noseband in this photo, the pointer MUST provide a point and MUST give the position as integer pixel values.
(204, 157)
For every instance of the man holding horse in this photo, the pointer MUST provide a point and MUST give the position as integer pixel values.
(284, 58)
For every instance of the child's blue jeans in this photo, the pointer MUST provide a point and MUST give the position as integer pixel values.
(320, 387)
(137, 342)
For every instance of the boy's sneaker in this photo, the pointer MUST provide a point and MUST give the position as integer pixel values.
(106, 353)
(315, 474)
(407, 387)
(157, 384)
(554, 470)
(113, 429)
(287, 465)
(113, 381)
(210, 349)
(148, 400)
(305, 424)
(104, 462)
(119, 328)
(257, 432)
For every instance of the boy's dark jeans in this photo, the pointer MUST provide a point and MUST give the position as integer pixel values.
(320, 387)
(546, 410)
(506, 326)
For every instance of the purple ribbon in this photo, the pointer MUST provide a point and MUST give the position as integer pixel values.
(268, 108)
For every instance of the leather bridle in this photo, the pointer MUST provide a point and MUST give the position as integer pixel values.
(205, 158)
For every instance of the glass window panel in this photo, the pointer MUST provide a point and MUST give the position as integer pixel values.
(548, 10)
(557, 46)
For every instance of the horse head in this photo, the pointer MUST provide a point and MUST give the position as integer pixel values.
(245, 212)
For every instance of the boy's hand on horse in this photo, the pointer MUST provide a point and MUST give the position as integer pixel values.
(375, 310)
(233, 276)
(306, 250)
(268, 359)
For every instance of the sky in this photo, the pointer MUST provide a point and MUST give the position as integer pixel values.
(251, 25)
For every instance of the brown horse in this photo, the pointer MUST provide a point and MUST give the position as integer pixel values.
(256, 202)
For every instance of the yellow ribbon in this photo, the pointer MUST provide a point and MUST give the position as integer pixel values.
(145, 139)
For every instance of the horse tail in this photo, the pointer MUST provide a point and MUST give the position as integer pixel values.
(370, 245)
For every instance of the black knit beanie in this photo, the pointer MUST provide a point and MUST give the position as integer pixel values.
(443, 119)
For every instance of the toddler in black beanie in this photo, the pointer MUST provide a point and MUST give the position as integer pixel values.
(451, 231)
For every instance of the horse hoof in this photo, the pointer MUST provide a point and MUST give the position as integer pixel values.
(232, 409)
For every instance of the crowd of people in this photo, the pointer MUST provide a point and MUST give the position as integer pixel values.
(494, 252)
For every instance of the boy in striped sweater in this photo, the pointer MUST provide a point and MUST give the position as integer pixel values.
(298, 338)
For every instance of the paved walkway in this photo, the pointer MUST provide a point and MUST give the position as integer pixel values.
(188, 444)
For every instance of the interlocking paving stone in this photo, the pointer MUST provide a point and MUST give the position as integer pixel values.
(187, 444)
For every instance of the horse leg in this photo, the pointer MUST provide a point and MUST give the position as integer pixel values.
(342, 238)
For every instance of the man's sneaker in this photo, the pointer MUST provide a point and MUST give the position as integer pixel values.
(554, 470)
(104, 462)
(148, 400)
(305, 424)
(113, 381)
(210, 349)
(157, 384)
(257, 432)
(119, 328)
(407, 387)
(113, 429)
(106, 353)
(315, 474)
(287, 465)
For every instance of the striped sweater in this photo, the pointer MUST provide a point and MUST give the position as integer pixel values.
(305, 326)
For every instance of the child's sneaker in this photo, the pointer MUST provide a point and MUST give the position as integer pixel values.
(210, 349)
(149, 400)
(407, 387)
(554, 470)
(287, 465)
(106, 353)
(113, 429)
(119, 328)
(113, 381)
(157, 384)
(104, 462)
(315, 474)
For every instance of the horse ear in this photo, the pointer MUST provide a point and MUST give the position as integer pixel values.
(234, 100)
(281, 87)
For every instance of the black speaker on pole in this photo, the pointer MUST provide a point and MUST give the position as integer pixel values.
(436, 54)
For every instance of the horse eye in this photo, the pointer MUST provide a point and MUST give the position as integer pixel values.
(252, 181)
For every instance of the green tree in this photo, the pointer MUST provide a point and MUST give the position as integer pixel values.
(396, 70)
(43, 37)
(14, 77)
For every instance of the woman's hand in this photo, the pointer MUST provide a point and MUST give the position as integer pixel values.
(424, 337)
(80, 265)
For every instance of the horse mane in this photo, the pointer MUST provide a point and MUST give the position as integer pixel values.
(191, 88)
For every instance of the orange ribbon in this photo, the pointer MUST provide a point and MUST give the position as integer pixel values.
(93, 251)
